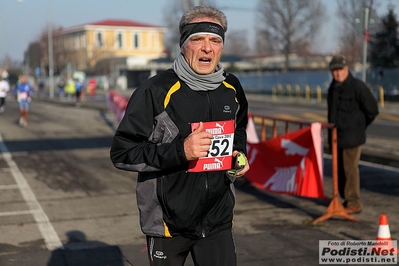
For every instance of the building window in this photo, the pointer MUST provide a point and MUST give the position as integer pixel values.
(83, 41)
(76, 42)
(99, 38)
(69, 43)
(119, 40)
(136, 40)
(152, 40)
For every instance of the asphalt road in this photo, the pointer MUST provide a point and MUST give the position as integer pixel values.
(59, 188)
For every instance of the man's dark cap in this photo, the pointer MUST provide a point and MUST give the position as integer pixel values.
(338, 62)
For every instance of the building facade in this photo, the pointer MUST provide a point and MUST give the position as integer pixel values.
(100, 44)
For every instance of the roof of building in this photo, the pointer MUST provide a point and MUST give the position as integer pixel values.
(109, 23)
(120, 23)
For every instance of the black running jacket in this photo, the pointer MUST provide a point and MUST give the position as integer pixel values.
(149, 140)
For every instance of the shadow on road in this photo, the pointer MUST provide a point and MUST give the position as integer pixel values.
(59, 144)
(81, 252)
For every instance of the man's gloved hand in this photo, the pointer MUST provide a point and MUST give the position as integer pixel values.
(240, 163)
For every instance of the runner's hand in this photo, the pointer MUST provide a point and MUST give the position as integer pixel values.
(198, 143)
(246, 167)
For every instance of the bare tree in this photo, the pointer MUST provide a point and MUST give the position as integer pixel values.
(264, 45)
(351, 38)
(38, 51)
(65, 58)
(33, 55)
(236, 43)
(7, 62)
(174, 9)
(289, 26)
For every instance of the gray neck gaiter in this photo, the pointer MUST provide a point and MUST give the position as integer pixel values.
(195, 81)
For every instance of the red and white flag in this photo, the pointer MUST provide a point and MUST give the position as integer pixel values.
(291, 163)
(117, 104)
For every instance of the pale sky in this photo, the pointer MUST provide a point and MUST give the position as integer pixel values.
(21, 21)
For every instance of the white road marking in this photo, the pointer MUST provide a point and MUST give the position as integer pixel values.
(18, 212)
(45, 227)
(9, 187)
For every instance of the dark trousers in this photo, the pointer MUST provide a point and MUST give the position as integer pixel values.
(2, 101)
(348, 175)
(218, 249)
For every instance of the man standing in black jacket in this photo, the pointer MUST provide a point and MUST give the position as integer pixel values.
(351, 107)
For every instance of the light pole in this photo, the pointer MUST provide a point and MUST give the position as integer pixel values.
(366, 32)
(365, 20)
(50, 52)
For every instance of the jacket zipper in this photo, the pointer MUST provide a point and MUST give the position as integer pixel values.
(209, 106)
(163, 198)
(206, 204)
(206, 180)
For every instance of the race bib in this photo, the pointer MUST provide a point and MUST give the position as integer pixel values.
(220, 154)
(23, 96)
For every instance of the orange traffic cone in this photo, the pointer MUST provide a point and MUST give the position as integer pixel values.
(383, 231)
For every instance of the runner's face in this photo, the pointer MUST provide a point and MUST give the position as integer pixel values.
(203, 52)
